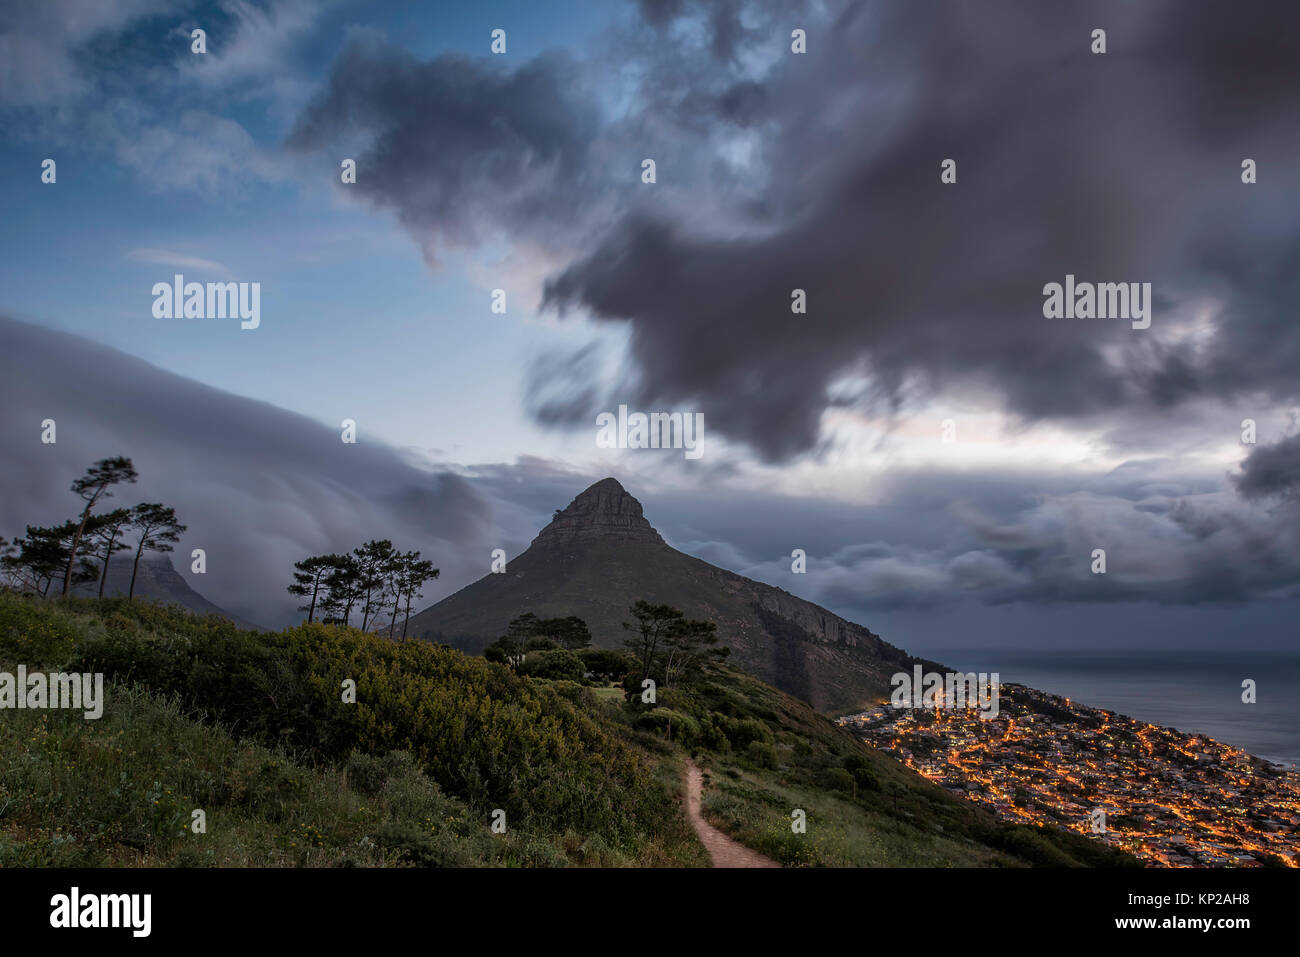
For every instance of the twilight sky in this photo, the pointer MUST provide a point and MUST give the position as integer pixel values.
(775, 171)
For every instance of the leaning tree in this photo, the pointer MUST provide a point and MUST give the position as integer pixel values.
(92, 487)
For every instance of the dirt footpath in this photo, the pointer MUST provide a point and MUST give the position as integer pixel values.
(724, 851)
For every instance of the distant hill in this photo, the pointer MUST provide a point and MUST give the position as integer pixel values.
(157, 580)
(600, 554)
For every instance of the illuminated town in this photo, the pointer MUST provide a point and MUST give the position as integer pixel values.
(1167, 797)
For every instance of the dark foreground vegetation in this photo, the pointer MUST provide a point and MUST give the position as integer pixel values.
(257, 731)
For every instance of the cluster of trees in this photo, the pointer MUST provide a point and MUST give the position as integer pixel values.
(668, 646)
(369, 580)
(530, 633)
(79, 550)
(664, 645)
(553, 648)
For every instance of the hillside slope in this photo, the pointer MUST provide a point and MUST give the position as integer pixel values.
(250, 727)
(600, 555)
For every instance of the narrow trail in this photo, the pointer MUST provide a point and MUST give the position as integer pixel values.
(724, 851)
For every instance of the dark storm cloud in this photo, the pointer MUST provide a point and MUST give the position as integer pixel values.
(1115, 167)
(459, 147)
(660, 12)
(820, 172)
(1271, 471)
(259, 487)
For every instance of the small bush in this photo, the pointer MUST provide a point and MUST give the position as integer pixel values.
(605, 664)
(836, 779)
(35, 632)
(554, 664)
(761, 754)
(741, 731)
(671, 724)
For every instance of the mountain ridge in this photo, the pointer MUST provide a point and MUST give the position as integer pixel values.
(600, 554)
(157, 580)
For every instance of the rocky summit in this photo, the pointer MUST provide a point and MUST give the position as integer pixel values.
(603, 513)
(600, 554)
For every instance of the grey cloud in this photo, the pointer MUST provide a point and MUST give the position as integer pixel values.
(117, 78)
(460, 147)
(259, 487)
(1002, 537)
(821, 171)
(560, 389)
(1271, 470)
(42, 45)
(1123, 167)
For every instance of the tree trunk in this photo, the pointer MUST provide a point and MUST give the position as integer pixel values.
(108, 554)
(135, 568)
(72, 555)
(103, 572)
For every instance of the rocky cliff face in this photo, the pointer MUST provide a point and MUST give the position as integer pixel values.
(605, 512)
(600, 554)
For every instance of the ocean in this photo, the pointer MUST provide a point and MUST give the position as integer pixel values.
(1197, 692)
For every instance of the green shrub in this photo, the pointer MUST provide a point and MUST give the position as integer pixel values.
(576, 694)
(742, 731)
(556, 663)
(35, 632)
(605, 664)
(836, 779)
(674, 725)
(761, 754)
(712, 737)
(482, 733)
(367, 773)
(422, 847)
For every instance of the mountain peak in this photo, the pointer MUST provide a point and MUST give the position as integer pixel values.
(609, 485)
(604, 512)
(599, 556)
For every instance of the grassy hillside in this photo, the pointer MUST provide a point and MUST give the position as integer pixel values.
(766, 754)
(252, 729)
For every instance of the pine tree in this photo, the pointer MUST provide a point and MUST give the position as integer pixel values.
(93, 486)
(373, 561)
(309, 578)
(343, 584)
(651, 629)
(158, 530)
(417, 574)
(108, 531)
(688, 644)
(514, 643)
(570, 632)
(43, 555)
